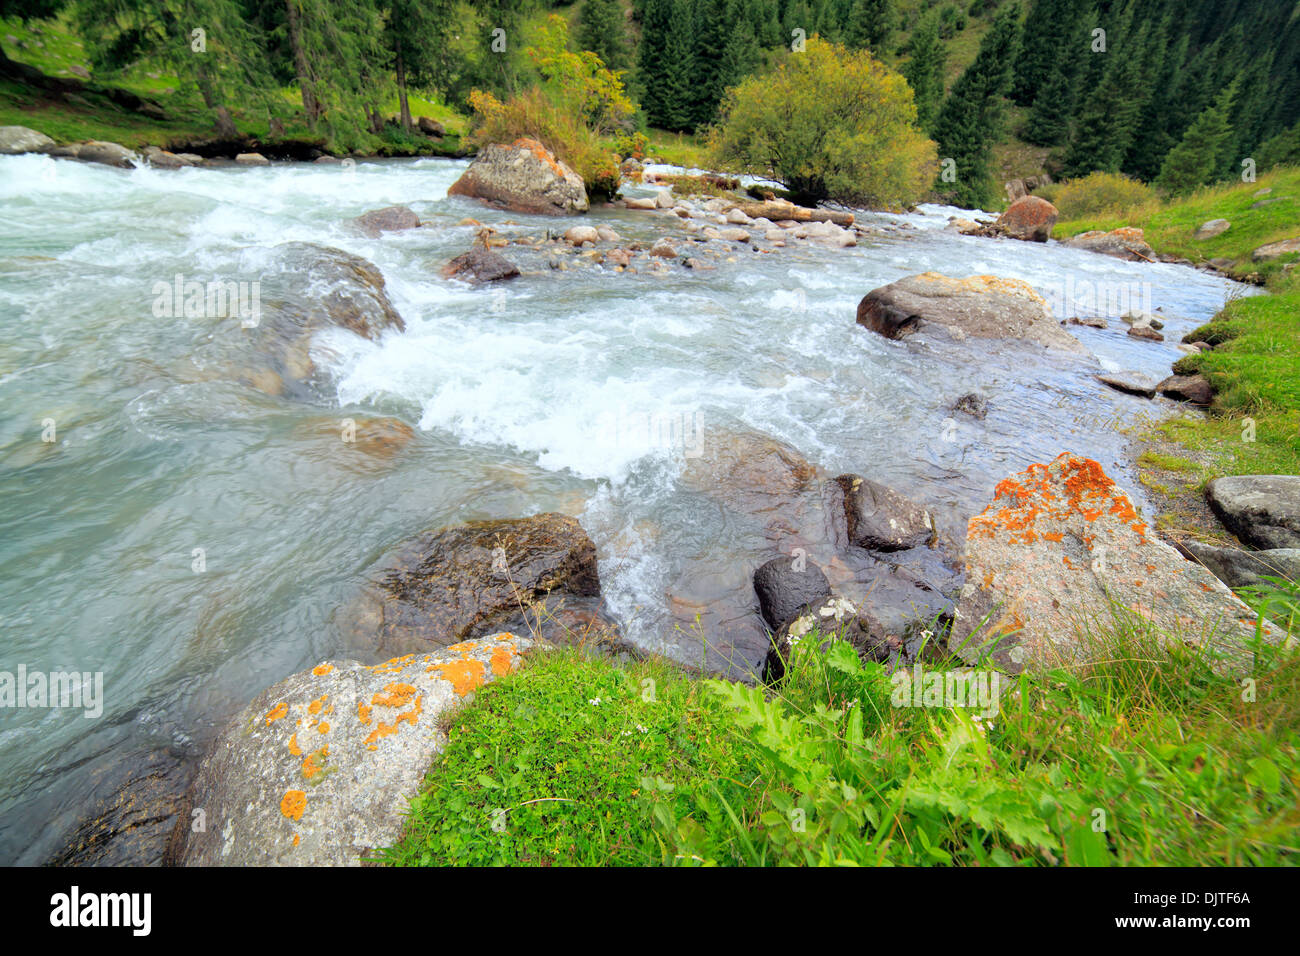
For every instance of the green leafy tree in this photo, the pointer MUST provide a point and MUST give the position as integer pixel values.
(971, 119)
(829, 123)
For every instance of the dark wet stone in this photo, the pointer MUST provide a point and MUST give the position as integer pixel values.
(786, 584)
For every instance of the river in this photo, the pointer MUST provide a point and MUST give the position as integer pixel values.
(190, 537)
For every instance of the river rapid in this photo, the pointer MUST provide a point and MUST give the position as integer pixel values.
(190, 537)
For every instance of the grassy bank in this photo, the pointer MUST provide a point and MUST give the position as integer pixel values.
(1144, 759)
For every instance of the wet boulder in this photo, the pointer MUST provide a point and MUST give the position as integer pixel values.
(389, 219)
(481, 265)
(136, 802)
(308, 288)
(319, 769)
(786, 584)
(522, 177)
(1133, 383)
(1262, 510)
(880, 519)
(1029, 218)
(985, 307)
(1126, 242)
(456, 583)
(99, 151)
(1058, 553)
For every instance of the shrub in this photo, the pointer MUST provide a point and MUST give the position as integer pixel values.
(576, 103)
(829, 123)
(1099, 195)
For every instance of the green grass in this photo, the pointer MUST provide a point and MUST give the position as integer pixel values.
(1144, 757)
(1170, 226)
(566, 761)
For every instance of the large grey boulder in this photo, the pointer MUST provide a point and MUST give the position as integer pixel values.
(319, 769)
(522, 177)
(389, 219)
(98, 151)
(20, 139)
(1275, 250)
(1262, 510)
(985, 307)
(1058, 553)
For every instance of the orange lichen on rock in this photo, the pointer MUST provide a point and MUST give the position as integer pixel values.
(275, 713)
(310, 767)
(293, 804)
(297, 838)
(320, 670)
(391, 666)
(411, 717)
(541, 152)
(464, 675)
(503, 661)
(324, 727)
(394, 695)
(293, 746)
(315, 706)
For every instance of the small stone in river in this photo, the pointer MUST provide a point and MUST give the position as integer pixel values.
(580, 234)
(973, 404)
(738, 218)
(1145, 332)
(1134, 383)
(663, 249)
(606, 234)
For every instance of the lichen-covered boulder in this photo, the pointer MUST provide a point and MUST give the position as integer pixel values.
(1059, 551)
(319, 769)
(985, 307)
(523, 177)
(456, 583)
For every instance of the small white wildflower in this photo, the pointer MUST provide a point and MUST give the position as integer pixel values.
(595, 702)
(644, 730)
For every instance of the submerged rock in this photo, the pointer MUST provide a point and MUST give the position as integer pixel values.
(1059, 552)
(320, 768)
(132, 821)
(98, 151)
(1262, 510)
(456, 583)
(522, 177)
(979, 306)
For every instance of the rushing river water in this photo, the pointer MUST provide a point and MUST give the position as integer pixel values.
(582, 391)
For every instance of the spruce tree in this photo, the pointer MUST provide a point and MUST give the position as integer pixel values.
(602, 31)
(970, 121)
(678, 67)
(655, 26)
(711, 28)
(870, 24)
(924, 71)
(1194, 162)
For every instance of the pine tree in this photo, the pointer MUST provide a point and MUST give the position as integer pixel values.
(1195, 161)
(924, 71)
(712, 26)
(678, 67)
(970, 121)
(655, 25)
(870, 24)
(602, 31)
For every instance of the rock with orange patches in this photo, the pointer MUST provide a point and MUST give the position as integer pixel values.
(522, 177)
(279, 793)
(1059, 547)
